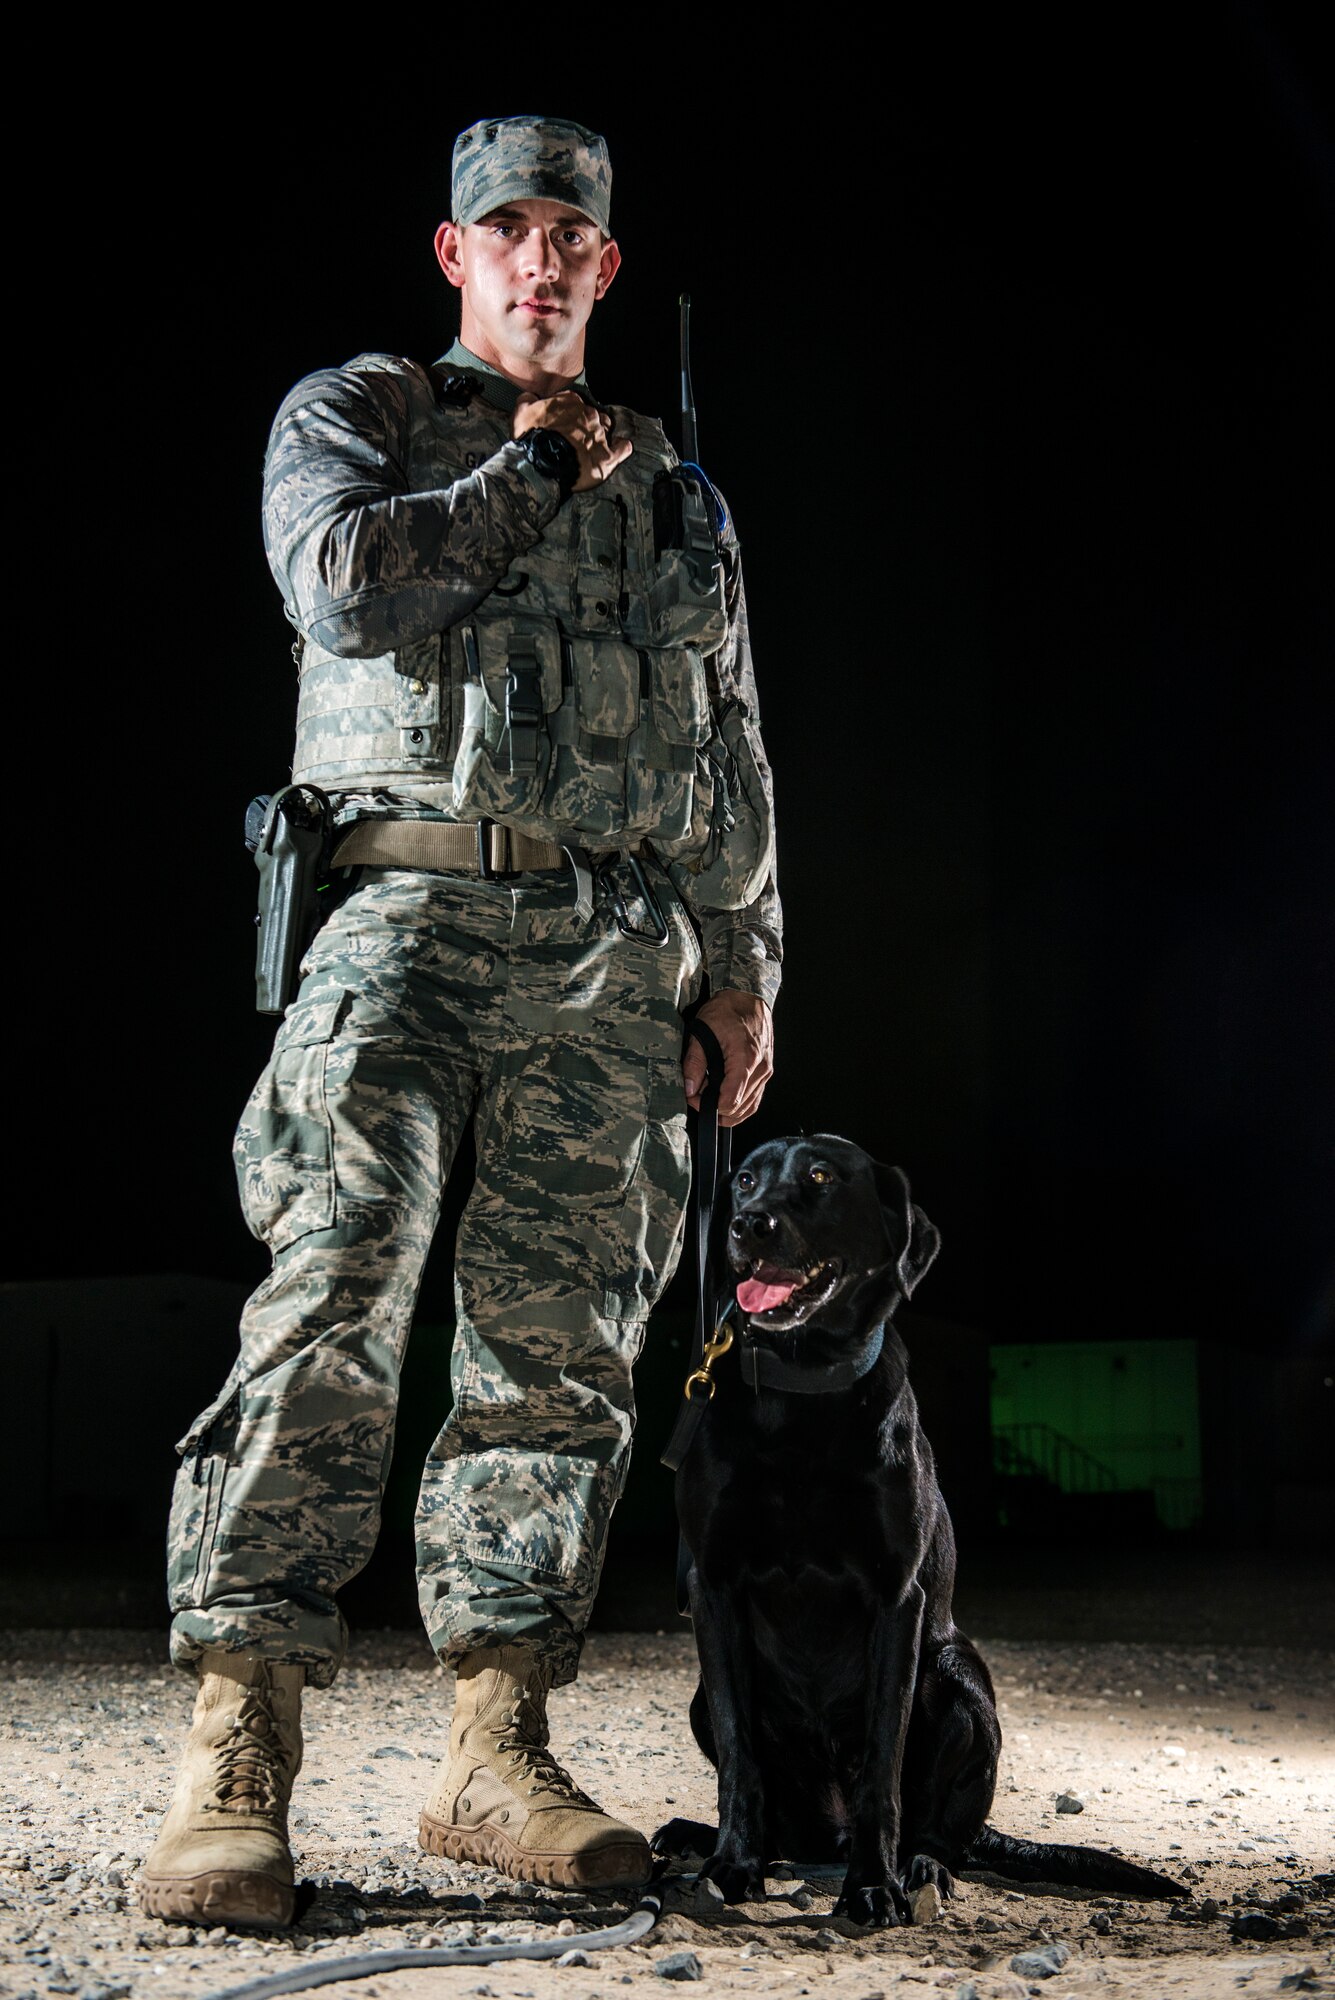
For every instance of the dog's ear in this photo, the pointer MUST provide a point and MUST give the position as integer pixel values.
(914, 1239)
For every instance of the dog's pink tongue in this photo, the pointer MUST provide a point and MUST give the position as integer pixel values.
(755, 1296)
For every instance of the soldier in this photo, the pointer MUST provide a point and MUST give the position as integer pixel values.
(526, 686)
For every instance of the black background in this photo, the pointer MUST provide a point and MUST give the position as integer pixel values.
(1012, 354)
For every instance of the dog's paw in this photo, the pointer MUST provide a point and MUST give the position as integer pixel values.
(684, 1836)
(741, 1881)
(880, 1904)
(926, 1872)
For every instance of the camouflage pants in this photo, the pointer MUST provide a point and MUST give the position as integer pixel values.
(427, 998)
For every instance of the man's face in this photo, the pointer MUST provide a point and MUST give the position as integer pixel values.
(530, 274)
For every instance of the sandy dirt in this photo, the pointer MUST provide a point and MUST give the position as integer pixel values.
(1216, 1765)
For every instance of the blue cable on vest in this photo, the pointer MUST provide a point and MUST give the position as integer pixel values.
(720, 511)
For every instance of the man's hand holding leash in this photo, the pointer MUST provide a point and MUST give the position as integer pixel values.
(745, 1030)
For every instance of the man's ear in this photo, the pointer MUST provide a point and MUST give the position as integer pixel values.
(608, 266)
(913, 1238)
(449, 252)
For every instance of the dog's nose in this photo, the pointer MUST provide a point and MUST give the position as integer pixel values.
(753, 1222)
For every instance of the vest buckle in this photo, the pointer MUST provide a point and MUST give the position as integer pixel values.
(523, 705)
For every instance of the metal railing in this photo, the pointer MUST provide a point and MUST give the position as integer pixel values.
(1037, 1451)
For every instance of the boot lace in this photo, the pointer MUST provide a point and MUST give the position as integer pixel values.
(523, 1736)
(250, 1761)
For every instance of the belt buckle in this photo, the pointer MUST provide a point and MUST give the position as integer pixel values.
(486, 868)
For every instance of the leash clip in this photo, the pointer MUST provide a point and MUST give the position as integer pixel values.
(715, 1347)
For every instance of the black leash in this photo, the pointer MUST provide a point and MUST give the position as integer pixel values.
(713, 1162)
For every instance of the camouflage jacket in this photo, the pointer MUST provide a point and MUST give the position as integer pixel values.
(474, 646)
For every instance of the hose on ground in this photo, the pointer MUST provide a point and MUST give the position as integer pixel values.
(637, 1925)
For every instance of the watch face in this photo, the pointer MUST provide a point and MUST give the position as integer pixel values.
(552, 454)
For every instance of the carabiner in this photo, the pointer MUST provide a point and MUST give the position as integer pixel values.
(662, 930)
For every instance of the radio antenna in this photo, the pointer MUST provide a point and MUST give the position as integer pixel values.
(690, 445)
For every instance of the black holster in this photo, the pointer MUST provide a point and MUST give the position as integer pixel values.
(289, 835)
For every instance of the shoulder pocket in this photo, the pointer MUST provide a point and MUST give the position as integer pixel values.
(740, 853)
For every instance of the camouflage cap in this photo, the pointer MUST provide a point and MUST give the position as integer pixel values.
(526, 159)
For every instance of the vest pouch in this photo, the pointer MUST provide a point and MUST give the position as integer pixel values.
(680, 696)
(739, 853)
(670, 787)
(599, 715)
(606, 677)
(686, 596)
(417, 699)
(512, 682)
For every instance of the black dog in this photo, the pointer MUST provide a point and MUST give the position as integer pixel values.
(849, 1719)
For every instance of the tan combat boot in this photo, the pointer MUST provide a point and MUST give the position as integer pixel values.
(502, 1799)
(221, 1855)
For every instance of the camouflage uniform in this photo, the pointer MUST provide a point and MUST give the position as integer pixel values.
(433, 571)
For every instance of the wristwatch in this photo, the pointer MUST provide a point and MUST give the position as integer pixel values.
(553, 454)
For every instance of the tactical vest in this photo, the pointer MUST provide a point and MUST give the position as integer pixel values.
(572, 703)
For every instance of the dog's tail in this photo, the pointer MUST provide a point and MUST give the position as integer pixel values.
(1083, 1867)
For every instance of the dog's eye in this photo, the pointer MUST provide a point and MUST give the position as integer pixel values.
(746, 1181)
(820, 1175)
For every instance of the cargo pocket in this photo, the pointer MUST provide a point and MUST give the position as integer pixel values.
(548, 1521)
(197, 1496)
(572, 1129)
(284, 1149)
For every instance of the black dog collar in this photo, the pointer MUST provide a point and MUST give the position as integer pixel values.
(763, 1369)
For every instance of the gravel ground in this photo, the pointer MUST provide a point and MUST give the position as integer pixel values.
(1215, 1764)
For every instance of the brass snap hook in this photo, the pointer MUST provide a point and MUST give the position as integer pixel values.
(717, 1345)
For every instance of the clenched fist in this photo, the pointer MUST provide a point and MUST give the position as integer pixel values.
(587, 427)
